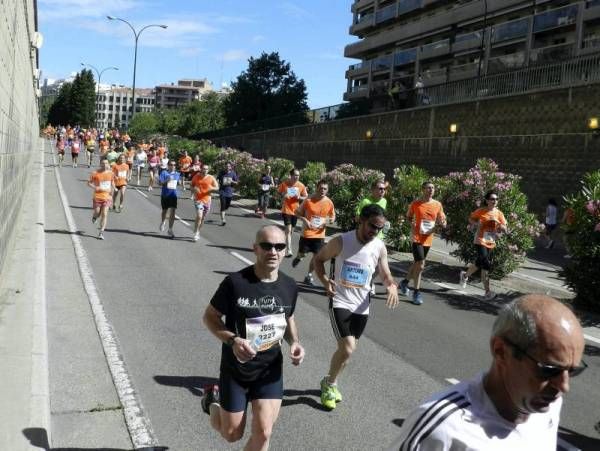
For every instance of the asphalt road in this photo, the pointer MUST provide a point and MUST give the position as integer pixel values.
(155, 289)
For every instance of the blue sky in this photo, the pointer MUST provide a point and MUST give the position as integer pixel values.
(211, 39)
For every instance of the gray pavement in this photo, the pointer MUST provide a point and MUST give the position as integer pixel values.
(154, 291)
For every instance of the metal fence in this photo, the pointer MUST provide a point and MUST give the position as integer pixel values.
(577, 71)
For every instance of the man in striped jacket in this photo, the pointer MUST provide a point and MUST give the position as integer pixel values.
(536, 346)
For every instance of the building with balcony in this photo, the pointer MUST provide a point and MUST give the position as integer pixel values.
(185, 91)
(114, 105)
(405, 44)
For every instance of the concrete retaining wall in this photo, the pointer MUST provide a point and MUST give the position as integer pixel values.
(19, 128)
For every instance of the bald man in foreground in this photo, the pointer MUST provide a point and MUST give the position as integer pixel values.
(536, 346)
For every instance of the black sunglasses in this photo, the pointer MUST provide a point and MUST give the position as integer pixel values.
(546, 371)
(374, 227)
(266, 246)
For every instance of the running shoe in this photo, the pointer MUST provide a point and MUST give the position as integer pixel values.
(171, 234)
(463, 279)
(163, 226)
(404, 288)
(489, 296)
(211, 396)
(94, 219)
(101, 235)
(327, 394)
(289, 254)
(338, 395)
(308, 280)
(373, 292)
(417, 298)
(196, 236)
(295, 262)
(223, 223)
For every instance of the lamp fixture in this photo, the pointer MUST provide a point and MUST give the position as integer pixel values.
(453, 129)
(369, 134)
(593, 123)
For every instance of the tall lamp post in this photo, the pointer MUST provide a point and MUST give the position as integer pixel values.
(99, 75)
(136, 35)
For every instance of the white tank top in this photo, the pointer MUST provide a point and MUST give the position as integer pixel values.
(354, 269)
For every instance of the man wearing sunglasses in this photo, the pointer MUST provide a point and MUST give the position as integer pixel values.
(258, 304)
(536, 348)
(357, 255)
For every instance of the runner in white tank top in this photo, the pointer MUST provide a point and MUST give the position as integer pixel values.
(356, 255)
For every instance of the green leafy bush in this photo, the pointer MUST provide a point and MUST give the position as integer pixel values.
(348, 184)
(582, 234)
(462, 192)
(312, 173)
(405, 188)
(247, 168)
(280, 168)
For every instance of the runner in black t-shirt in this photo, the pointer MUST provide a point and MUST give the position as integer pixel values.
(258, 303)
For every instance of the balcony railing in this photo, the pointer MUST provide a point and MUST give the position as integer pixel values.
(405, 6)
(364, 18)
(382, 63)
(387, 13)
(511, 30)
(552, 53)
(592, 41)
(506, 62)
(556, 18)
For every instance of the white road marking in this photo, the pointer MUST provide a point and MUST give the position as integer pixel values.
(452, 381)
(590, 338)
(182, 221)
(138, 424)
(443, 285)
(143, 194)
(242, 258)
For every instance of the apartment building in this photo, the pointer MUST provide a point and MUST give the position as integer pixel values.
(185, 91)
(114, 105)
(412, 43)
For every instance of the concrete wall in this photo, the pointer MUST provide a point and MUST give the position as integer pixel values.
(543, 137)
(19, 128)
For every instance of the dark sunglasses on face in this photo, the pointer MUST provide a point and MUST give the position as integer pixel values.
(266, 246)
(374, 227)
(546, 371)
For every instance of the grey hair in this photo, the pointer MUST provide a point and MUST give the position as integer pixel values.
(516, 324)
(260, 231)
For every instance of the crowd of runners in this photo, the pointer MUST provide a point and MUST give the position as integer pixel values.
(252, 311)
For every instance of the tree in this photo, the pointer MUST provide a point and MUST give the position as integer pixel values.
(202, 116)
(59, 113)
(83, 99)
(142, 125)
(268, 88)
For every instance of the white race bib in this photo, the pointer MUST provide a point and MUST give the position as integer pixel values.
(489, 237)
(172, 184)
(153, 165)
(122, 174)
(427, 226)
(292, 192)
(227, 181)
(105, 185)
(265, 187)
(317, 221)
(353, 275)
(265, 331)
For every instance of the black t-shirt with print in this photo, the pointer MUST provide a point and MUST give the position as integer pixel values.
(242, 296)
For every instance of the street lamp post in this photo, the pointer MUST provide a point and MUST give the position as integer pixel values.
(99, 75)
(136, 35)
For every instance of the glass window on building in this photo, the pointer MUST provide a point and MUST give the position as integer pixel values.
(510, 30)
(555, 18)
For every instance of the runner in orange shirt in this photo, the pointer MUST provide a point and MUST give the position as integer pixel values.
(425, 214)
(130, 156)
(60, 149)
(202, 186)
(185, 165)
(315, 212)
(122, 173)
(103, 183)
(293, 193)
(487, 223)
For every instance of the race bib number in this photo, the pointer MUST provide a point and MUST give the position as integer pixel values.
(172, 184)
(153, 165)
(489, 237)
(105, 185)
(227, 181)
(265, 331)
(292, 192)
(265, 187)
(122, 174)
(354, 275)
(427, 226)
(317, 222)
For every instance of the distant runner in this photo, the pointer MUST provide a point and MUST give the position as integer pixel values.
(293, 192)
(103, 183)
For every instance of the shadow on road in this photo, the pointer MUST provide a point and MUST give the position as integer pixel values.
(151, 234)
(398, 422)
(67, 232)
(38, 437)
(80, 208)
(581, 441)
(233, 248)
(303, 397)
(194, 384)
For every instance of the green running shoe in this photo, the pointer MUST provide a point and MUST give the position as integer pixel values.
(338, 395)
(327, 395)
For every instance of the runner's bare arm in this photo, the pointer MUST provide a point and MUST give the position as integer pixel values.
(388, 280)
(214, 323)
(300, 214)
(291, 337)
(331, 250)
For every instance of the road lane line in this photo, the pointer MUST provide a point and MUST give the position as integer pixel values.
(182, 221)
(452, 381)
(143, 194)
(590, 338)
(244, 259)
(138, 424)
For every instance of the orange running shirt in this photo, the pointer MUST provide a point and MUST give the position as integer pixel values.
(204, 185)
(185, 163)
(295, 191)
(103, 180)
(130, 156)
(120, 172)
(486, 228)
(161, 152)
(425, 216)
(317, 213)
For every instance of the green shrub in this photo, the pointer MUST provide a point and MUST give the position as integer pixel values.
(582, 235)
(312, 173)
(462, 192)
(247, 168)
(405, 188)
(280, 168)
(348, 184)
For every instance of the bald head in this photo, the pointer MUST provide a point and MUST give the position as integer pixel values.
(269, 231)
